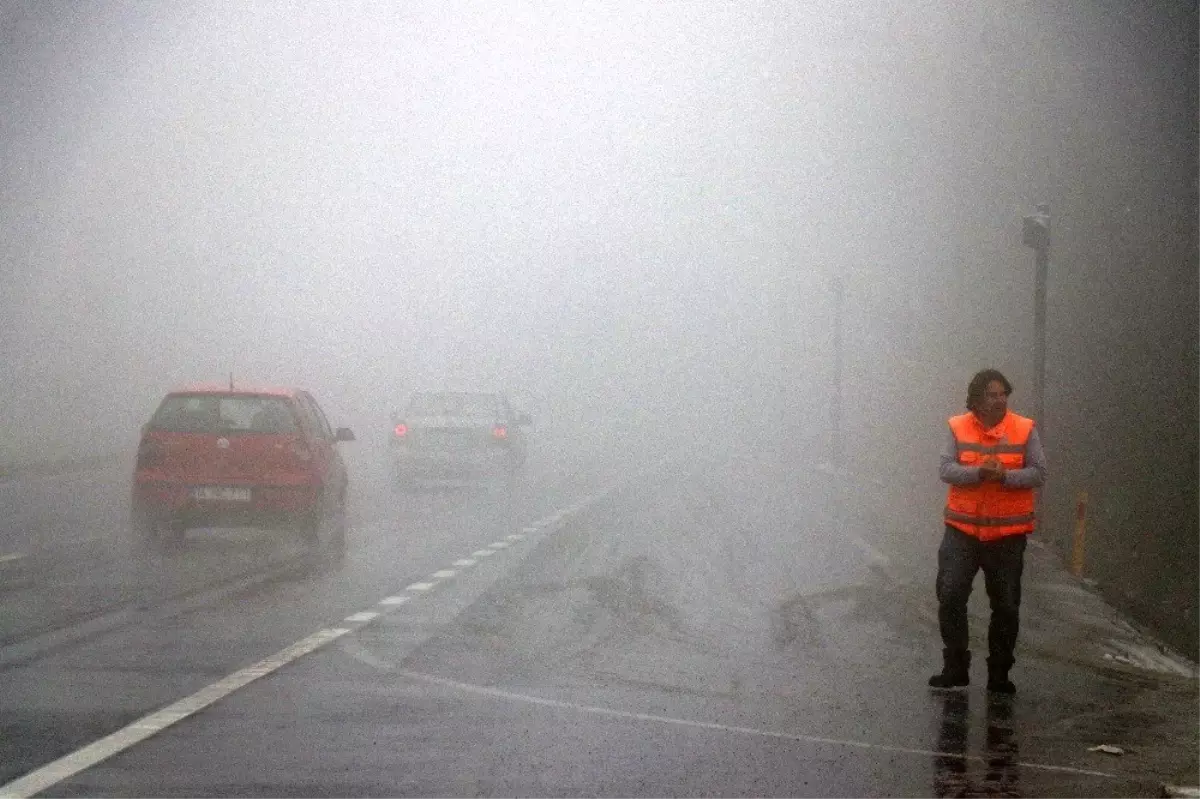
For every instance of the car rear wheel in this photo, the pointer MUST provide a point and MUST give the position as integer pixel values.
(154, 533)
(327, 524)
(338, 524)
(404, 479)
(308, 527)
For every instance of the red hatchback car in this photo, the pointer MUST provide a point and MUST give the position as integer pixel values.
(218, 456)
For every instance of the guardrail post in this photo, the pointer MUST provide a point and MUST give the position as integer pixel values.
(1080, 529)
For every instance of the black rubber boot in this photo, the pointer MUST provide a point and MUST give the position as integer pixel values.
(956, 670)
(998, 681)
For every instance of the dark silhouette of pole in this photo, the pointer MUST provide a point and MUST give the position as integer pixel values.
(1036, 230)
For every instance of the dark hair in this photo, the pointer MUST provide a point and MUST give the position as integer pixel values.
(979, 383)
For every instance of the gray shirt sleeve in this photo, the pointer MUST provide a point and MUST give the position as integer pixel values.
(1033, 474)
(952, 471)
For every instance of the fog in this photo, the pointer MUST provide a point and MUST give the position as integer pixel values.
(634, 210)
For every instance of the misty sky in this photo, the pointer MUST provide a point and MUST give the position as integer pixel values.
(584, 203)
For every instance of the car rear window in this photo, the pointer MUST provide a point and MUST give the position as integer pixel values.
(224, 414)
(451, 404)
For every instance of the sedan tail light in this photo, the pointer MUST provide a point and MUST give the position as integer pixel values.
(500, 432)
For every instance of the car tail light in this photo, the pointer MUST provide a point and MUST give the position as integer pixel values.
(401, 430)
(500, 432)
(149, 453)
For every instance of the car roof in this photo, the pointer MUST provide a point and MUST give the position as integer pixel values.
(454, 392)
(225, 388)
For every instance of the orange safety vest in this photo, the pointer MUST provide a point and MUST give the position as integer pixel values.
(991, 510)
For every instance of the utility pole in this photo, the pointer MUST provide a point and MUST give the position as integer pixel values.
(1036, 235)
(835, 423)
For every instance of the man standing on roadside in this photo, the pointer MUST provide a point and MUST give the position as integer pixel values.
(993, 462)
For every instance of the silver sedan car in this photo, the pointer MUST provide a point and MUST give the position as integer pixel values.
(452, 434)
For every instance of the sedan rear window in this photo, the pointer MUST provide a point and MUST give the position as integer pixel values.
(454, 404)
(224, 414)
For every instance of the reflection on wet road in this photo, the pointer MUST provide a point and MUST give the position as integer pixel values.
(997, 771)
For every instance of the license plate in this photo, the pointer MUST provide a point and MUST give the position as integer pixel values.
(221, 493)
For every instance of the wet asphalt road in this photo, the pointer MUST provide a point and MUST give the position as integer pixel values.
(612, 621)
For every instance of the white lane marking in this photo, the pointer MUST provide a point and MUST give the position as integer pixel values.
(515, 537)
(444, 574)
(529, 530)
(465, 562)
(69, 765)
(12, 557)
(497, 693)
(138, 731)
